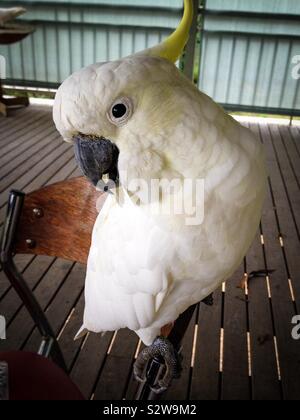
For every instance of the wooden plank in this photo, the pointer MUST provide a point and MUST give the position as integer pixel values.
(265, 381)
(44, 162)
(71, 348)
(14, 118)
(88, 365)
(56, 152)
(12, 121)
(133, 385)
(33, 274)
(40, 174)
(288, 177)
(290, 240)
(59, 310)
(22, 325)
(282, 303)
(67, 171)
(235, 376)
(77, 172)
(283, 310)
(54, 163)
(205, 383)
(4, 285)
(21, 261)
(295, 133)
(24, 135)
(117, 367)
(13, 131)
(25, 151)
(15, 126)
(291, 151)
(16, 172)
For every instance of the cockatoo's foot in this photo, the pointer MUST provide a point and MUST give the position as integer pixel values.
(161, 349)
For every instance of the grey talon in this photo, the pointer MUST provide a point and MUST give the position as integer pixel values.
(161, 349)
(138, 376)
(158, 389)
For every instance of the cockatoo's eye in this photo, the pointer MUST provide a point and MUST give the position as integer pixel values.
(120, 111)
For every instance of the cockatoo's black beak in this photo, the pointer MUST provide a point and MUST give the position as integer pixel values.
(96, 157)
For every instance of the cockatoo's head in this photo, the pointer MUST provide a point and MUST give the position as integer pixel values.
(113, 109)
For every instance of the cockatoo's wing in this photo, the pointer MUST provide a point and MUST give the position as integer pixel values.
(6, 15)
(127, 279)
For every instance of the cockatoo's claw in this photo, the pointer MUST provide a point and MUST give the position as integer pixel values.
(81, 333)
(140, 379)
(158, 389)
(209, 300)
(161, 349)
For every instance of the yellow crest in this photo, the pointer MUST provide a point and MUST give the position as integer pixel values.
(172, 48)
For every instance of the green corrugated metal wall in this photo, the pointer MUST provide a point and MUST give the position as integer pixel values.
(246, 60)
(71, 35)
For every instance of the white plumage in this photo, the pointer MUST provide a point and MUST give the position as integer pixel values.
(145, 269)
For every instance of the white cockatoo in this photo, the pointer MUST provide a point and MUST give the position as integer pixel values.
(142, 122)
(6, 15)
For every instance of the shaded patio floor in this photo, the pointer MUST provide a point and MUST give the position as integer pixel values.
(241, 348)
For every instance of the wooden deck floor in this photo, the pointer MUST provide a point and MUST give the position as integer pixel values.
(241, 348)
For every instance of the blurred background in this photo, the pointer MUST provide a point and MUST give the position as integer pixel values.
(244, 56)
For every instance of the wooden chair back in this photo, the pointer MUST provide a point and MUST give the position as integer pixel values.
(57, 220)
